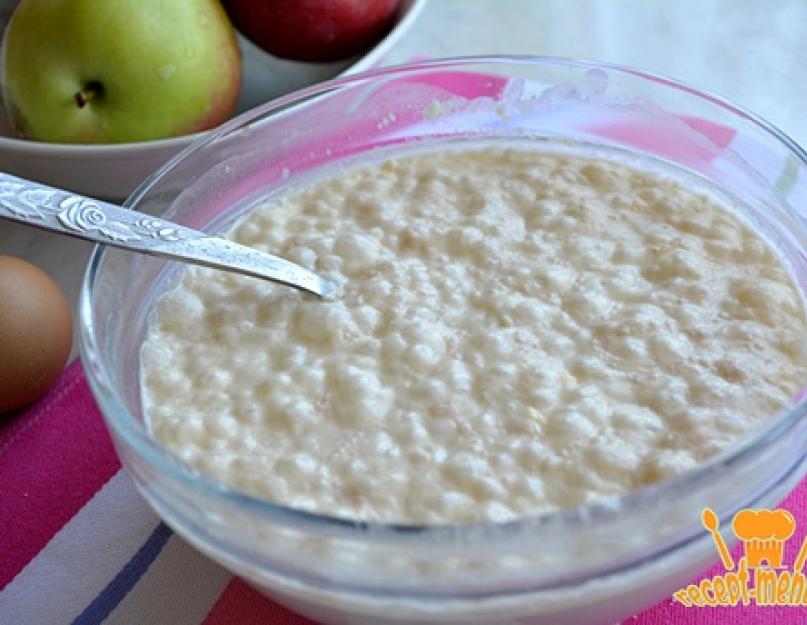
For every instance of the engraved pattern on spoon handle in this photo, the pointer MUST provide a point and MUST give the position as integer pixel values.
(53, 209)
(61, 211)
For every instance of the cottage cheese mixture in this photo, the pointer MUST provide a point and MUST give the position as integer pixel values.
(518, 331)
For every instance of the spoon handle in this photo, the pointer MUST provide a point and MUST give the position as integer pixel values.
(60, 211)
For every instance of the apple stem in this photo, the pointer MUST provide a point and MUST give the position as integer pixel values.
(88, 93)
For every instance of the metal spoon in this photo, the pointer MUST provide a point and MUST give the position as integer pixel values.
(60, 211)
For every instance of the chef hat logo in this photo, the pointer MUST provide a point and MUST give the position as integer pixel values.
(764, 533)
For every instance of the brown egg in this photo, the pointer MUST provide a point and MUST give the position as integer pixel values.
(36, 332)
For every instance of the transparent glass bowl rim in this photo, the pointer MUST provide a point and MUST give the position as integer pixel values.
(135, 436)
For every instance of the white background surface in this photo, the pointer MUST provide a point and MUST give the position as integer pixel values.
(753, 52)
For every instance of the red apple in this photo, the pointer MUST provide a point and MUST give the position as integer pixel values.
(312, 30)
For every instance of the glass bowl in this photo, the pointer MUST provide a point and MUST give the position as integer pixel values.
(594, 564)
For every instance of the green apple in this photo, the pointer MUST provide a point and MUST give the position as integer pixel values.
(108, 71)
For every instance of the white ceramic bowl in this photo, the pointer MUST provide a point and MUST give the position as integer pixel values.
(113, 171)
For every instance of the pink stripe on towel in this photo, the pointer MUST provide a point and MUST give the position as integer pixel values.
(53, 459)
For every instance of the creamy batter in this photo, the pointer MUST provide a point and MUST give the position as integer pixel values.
(517, 332)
